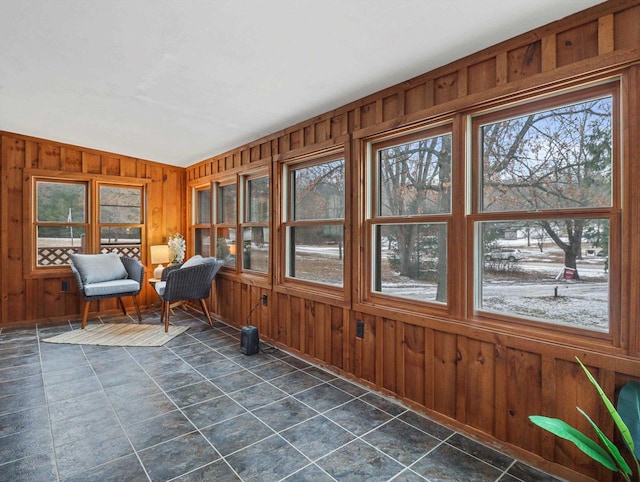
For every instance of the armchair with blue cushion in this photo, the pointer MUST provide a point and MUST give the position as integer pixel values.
(101, 276)
(189, 281)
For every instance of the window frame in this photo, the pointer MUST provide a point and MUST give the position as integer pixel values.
(613, 213)
(217, 223)
(285, 169)
(100, 224)
(245, 220)
(373, 218)
(197, 223)
(36, 224)
(91, 224)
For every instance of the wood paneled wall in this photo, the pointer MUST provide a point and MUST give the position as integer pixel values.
(31, 298)
(484, 380)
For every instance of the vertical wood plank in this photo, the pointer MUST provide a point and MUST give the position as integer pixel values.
(626, 31)
(445, 373)
(605, 34)
(577, 44)
(480, 390)
(548, 45)
(523, 393)
(414, 369)
(502, 68)
(13, 294)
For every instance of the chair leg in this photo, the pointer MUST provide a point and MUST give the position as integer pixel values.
(121, 303)
(162, 302)
(137, 305)
(85, 313)
(167, 307)
(205, 310)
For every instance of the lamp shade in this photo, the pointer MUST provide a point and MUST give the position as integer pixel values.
(159, 254)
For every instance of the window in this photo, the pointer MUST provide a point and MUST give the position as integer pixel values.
(65, 224)
(255, 228)
(314, 220)
(202, 228)
(546, 209)
(60, 221)
(410, 206)
(225, 229)
(120, 220)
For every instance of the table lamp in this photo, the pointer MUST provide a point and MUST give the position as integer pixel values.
(159, 255)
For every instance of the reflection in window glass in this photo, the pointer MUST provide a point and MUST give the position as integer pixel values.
(55, 244)
(61, 214)
(202, 241)
(258, 200)
(228, 204)
(415, 178)
(317, 253)
(554, 159)
(411, 261)
(525, 270)
(318, 191)
(255, 249)
(226, 246)
(203, 209)
(120, 205)
(60, 202)
(125, 241)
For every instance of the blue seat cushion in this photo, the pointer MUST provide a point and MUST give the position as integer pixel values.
(160, 286)
(111, 287)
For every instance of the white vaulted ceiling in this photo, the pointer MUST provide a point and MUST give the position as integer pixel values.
(179, 81)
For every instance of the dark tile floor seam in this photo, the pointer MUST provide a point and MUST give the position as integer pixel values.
(112, 408)
(276, 433)
(312, 464)
(196, 428)
(221, 340)
(361, 438)
(506, 471)
(164, 392)
(46, 401)
(445, 442)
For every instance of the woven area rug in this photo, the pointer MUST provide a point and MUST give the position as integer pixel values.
(119, 334)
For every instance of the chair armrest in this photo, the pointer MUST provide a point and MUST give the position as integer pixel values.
(76, 275)
(135, 269)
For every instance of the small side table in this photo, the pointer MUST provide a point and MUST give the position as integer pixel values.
(152, 282)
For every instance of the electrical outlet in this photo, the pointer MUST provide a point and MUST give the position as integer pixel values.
(359, 328)
(264, 300)
(65, 286)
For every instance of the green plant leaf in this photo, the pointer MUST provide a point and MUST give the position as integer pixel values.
(629, 410)
(613, 450)
(563, 430)
(624, 430)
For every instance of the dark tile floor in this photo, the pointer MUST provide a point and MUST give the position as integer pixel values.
(198, 409)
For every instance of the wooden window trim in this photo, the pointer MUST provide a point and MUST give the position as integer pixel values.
(531, 327)
(327, 152)
(369, 298)
(92, 224)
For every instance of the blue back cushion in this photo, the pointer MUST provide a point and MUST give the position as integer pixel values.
(193, 261)
(96, 268)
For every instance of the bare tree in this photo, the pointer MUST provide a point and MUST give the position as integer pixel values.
(551, 160)
(415, 179)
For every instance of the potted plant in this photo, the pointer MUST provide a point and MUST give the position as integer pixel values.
(626, 419)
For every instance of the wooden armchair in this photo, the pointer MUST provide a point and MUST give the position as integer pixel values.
(101, 276)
